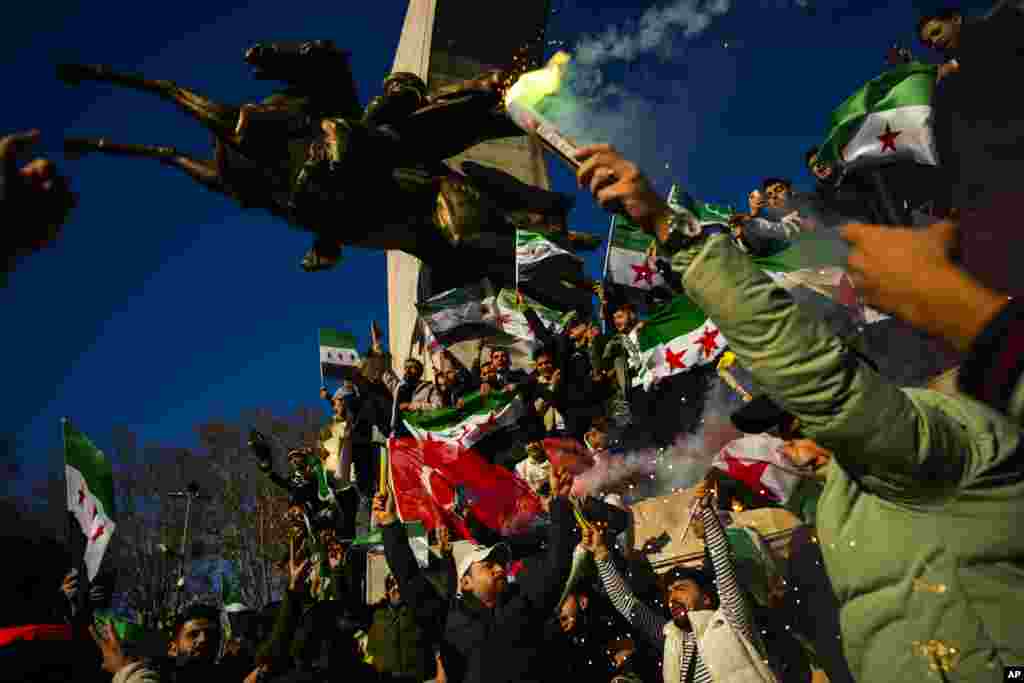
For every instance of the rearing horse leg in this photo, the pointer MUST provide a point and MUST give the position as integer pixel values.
(218, 118)
(203, 172)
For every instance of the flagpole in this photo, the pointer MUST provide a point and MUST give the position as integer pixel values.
(604, 270)
(67, 513)
(608, 249)
(320, 363)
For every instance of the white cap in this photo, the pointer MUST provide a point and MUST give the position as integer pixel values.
(479, 553)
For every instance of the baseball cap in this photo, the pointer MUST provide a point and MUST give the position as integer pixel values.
(478, 553)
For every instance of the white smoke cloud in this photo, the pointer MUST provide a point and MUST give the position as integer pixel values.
(653, 473)
(652, 32)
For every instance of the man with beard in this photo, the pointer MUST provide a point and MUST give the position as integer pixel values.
(493, 630)
(711, 636)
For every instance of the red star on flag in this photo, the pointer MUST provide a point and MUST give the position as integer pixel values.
(888, 138)
(97, 533)
(707, 342)
(81, 496)
(674, 359)
(748, 474)
(643, 272)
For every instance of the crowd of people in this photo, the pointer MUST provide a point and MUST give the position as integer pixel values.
(906, 564)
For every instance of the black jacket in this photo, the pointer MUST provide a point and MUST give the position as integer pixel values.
(492, 645)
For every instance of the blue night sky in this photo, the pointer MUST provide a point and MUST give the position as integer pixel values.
(164, 305)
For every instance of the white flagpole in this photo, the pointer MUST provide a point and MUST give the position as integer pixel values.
(608, 249)
(319, 362)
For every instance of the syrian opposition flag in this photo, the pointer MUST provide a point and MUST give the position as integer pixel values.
(677, 337)
(460, 314)
(706, 214)
(757, 462)
(418, 541)
(434, 482)
(538, 258)
(510, 317)
(338, 355)
(90, 482)
(463, 427)
(631, 262)
(889, 119)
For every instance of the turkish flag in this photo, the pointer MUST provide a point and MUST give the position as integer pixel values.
(426, 476)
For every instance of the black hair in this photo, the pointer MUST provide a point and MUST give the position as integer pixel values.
(544, 351)
(941, 15)
(768, 182)
(810, 154)
(197, 611)
(624, 305)
(698, 576)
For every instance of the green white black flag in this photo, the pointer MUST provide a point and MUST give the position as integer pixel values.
(338, 355)
(888, 119)
(90, 490)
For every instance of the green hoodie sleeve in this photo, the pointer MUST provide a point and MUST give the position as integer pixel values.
(903, 445)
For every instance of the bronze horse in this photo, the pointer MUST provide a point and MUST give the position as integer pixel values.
(376, 177)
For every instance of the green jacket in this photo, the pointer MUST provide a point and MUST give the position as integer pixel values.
(918, 520)
(398, 644)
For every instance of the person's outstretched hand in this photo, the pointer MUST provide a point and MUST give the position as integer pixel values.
(35, 199)
(70, 585)
(114, 658)
(615, 181)
(297, 571)
(384, 509)
(561, 481)
(910, 273)
(594, 540)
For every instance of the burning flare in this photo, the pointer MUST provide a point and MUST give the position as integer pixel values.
(533, 86)
(523, 99)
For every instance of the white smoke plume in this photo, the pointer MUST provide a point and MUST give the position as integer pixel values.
(653, 30)
(589, 108)
(653, 473)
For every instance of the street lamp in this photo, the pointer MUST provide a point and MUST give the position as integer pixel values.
(190, 494)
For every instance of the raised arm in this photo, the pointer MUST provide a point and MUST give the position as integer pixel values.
(735, 606)
(431, 607)
(932, 446)
(640, 616)
(542, 585)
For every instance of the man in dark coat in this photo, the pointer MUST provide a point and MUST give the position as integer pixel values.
(493, 631)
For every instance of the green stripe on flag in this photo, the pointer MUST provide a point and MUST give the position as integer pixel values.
(906, 85)
(412, 530)
(526, 236)
(473, 404)
(676, 318)
(336, 339)
(626, 236)
(81, 454)
(508, 299)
